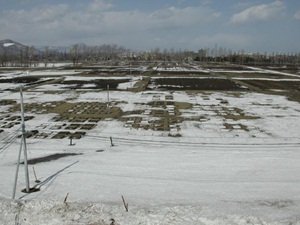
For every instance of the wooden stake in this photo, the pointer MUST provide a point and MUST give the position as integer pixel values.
(36, 180)
(71, 141)
(125, 205)
(107, 99)
(17, 219)
(65, 200)
(111, 142)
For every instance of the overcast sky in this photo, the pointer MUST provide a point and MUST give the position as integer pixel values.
(249, 25)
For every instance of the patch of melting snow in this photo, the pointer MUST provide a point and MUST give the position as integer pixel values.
(215, 177)
(8, 44)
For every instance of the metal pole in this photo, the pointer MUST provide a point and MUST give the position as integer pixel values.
(107, 99)
(24, 141)
(17, 171)
(111, 142)
(130, 74)
(26, 165)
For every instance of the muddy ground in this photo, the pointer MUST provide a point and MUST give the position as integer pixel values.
(75, 120)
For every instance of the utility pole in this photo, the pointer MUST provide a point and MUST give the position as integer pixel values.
(130, 73)
(22, 147)
(107, 99)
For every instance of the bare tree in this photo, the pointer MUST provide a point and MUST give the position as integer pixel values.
(74, 54)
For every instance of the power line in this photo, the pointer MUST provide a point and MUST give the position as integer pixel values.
(22, 148)
(148, 142)
(200, 140)
(2, 96)
(190, 144)
(8, 140)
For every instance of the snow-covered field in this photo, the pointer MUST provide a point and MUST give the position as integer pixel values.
(219, 169)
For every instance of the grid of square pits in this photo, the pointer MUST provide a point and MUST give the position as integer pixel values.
(211, 115)
(215, 117)
(161, 115)
(66, 127)
(9, 121)
(63, 126)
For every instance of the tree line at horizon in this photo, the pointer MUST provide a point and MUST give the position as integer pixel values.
(18, 55)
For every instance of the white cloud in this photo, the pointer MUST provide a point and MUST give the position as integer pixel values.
(259, 13)
(48, 13)
(243, 5)
(163, 14)
(99, 13)
(92, 23)
(206, 2)
(100, 5)
(181, 17)
(297, 15)
(179, 2)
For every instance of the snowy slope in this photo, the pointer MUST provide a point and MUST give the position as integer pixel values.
(208, 175)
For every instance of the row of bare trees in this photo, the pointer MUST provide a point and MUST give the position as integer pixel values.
(26, 56)
(80, 53)
(84, 53)
(221, 54)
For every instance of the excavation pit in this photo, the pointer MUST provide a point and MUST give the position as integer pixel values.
(50, 158)
(179, 83)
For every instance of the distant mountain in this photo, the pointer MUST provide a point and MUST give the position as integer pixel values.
(61, 48)
(53, 48)
(12, 47)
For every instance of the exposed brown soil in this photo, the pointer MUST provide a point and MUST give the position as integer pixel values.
(196, 84)
(50, 158)
(98, 83)
(280, 84)
(19, 80)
